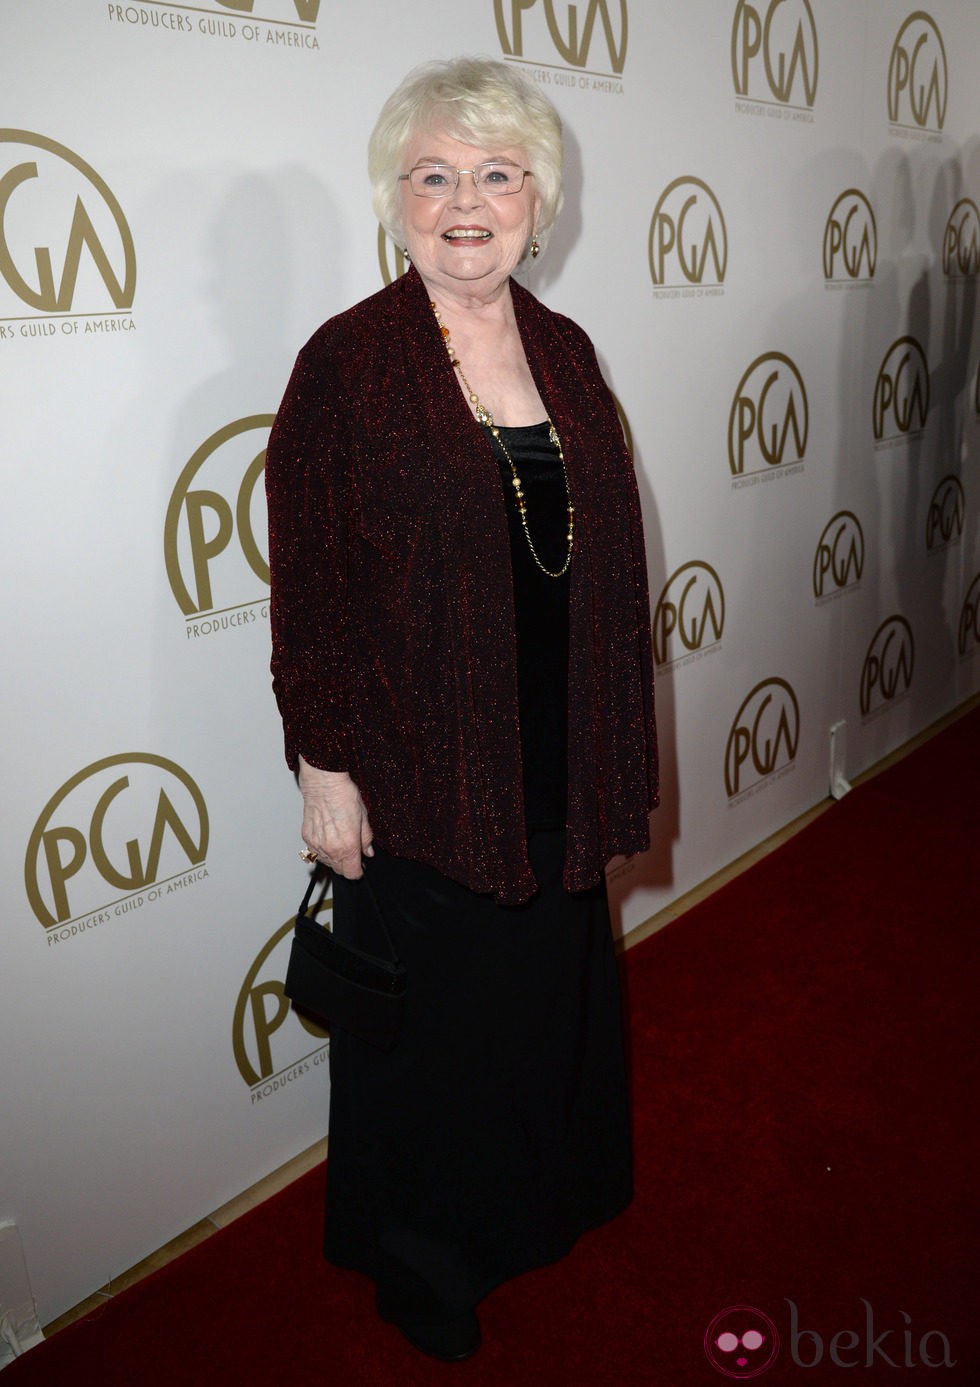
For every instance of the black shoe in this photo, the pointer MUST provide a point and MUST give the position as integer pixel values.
(450, 1340)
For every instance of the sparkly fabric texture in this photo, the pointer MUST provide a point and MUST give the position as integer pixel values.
(394, 648)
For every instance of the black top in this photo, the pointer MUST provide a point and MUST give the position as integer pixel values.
(541, 611)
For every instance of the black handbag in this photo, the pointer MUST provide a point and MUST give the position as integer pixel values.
(344, 986)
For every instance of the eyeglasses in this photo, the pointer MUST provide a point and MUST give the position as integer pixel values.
(439, 180)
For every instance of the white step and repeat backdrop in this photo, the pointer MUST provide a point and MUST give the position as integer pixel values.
(772, 233)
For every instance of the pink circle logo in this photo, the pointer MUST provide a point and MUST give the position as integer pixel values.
(741, 1342)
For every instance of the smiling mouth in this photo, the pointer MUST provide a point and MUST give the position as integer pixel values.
(466, 233)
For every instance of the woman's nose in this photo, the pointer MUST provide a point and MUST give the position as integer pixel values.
(468, 192)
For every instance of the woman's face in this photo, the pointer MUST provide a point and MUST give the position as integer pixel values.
(466, 243)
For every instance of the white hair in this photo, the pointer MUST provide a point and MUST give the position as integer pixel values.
(477, 101)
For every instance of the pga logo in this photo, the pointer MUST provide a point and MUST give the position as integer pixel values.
(850, 239)
(969, 623)
(690, 615)
(688, 240)
(763, 737)
(305, 11)
(269, 1036)
(901, 398)
(581, 34)
(838, 562)
(888, 666)
(961, 241)
(115, 829)
(65, 243)
(219, 498)
(918, 75)
(769, 421)
(946, 514)
(776, 52)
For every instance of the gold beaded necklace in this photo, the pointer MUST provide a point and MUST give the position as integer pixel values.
(485, 418)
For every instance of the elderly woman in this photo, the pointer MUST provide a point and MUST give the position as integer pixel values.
(462, 661)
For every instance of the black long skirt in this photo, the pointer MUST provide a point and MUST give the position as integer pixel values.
(497, 1130)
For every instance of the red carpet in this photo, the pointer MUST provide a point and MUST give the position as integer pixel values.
(805, 1079)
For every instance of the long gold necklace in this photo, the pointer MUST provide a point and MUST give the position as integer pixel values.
(486, 418)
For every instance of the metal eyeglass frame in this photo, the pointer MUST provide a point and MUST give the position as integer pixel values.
(478, 182)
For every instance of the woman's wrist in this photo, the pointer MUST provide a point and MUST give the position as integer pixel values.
(313, 775)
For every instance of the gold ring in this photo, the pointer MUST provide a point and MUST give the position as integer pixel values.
(307, 854)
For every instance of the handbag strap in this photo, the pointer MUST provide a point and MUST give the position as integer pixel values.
(315, 877)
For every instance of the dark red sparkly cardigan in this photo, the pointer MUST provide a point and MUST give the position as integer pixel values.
(394, 652)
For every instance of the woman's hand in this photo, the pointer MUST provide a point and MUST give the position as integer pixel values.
(335, 821)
